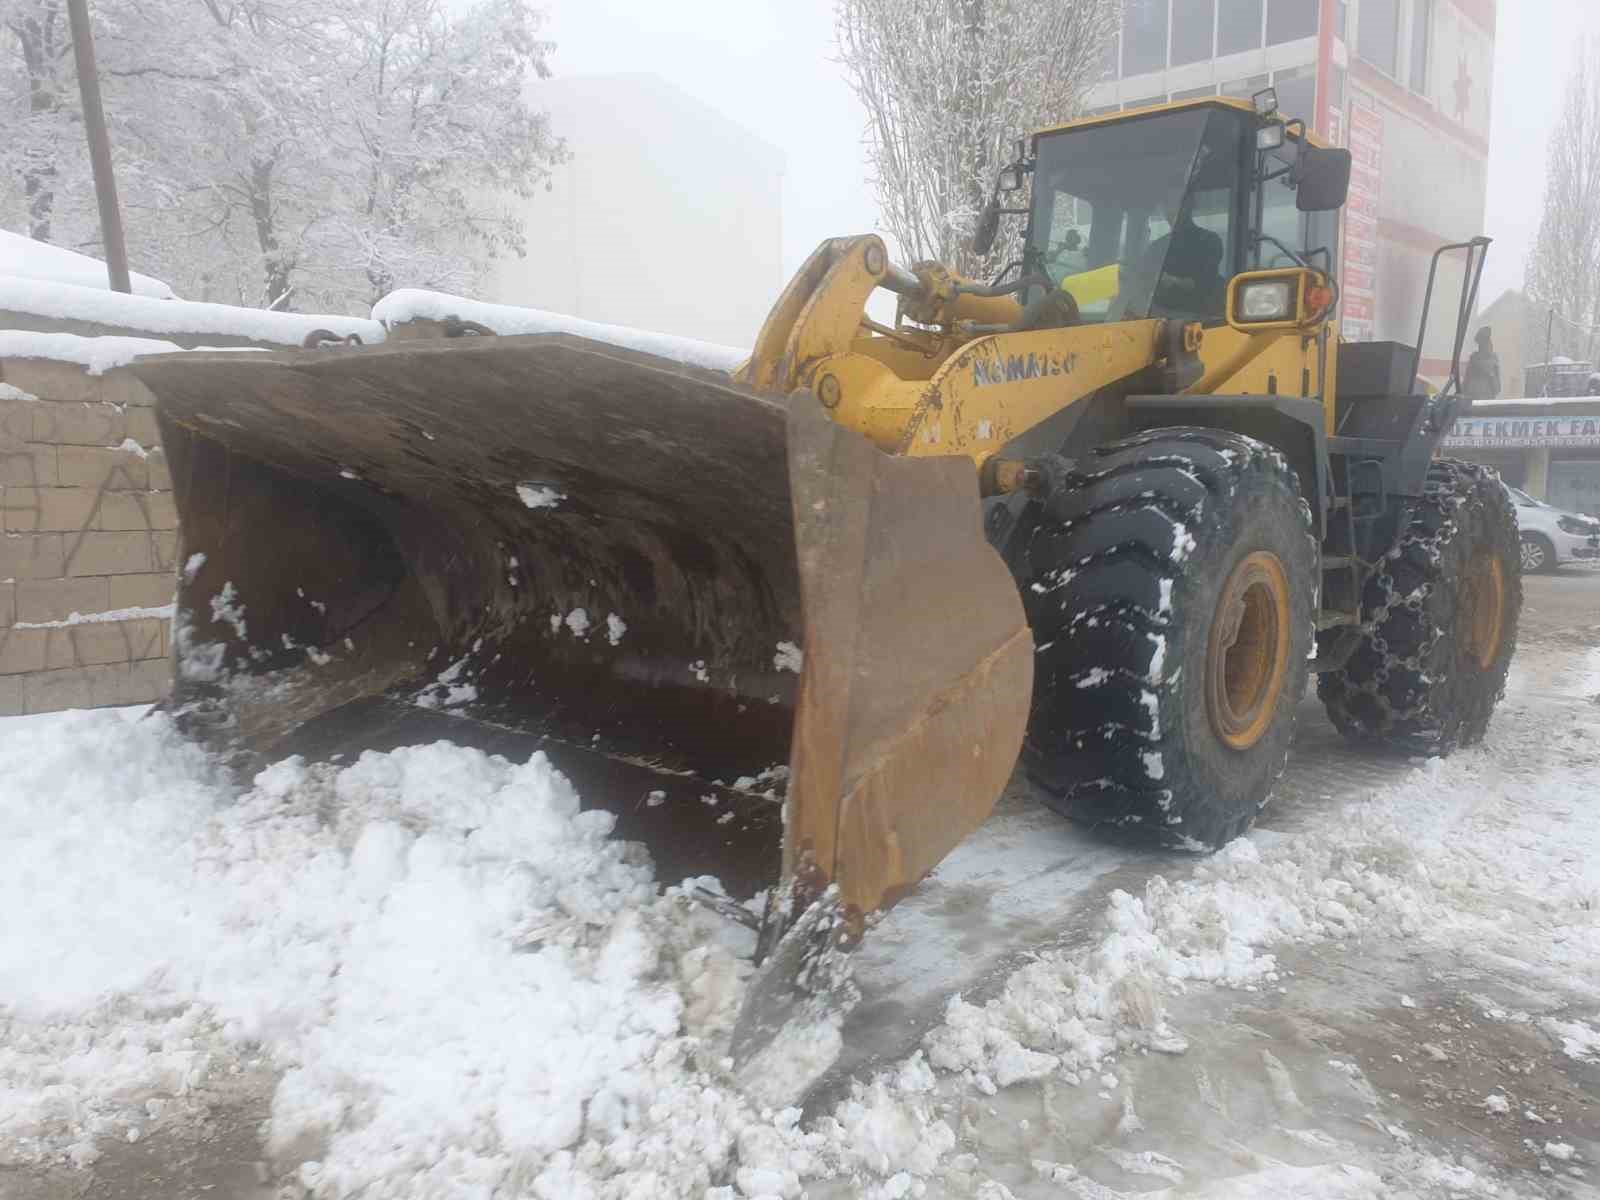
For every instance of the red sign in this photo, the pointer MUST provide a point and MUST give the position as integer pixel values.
(1365, 138)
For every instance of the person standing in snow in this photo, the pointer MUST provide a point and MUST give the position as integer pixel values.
(1482, 380)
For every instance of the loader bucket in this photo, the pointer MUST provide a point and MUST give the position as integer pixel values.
(709, 606)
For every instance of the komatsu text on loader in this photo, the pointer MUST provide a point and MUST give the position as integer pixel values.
(797, 625)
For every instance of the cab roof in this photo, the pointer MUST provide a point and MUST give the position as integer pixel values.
(1148, 110)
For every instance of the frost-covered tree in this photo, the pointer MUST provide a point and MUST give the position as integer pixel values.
(948, 86)
(1564, 267)
(39, 103)
(291, 152)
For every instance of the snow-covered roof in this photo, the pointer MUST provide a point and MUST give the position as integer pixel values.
(1536, 402)
(408, 304)
(24, 258)
(68, 302)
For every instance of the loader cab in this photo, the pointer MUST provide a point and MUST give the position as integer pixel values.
(1151, 214)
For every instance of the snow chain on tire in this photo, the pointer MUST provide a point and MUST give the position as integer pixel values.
(1418, 682)
(1121, 569)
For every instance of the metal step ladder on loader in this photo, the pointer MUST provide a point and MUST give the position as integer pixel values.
(796, 625)
(1385, 435)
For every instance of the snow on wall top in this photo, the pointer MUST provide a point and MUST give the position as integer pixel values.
(67, 302)
(25, 258)
(99, 354)
(408, 304)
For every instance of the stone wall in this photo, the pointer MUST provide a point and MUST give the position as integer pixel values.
(88, 529)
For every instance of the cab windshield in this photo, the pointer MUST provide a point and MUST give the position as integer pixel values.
(1149, 217)
(1142, 218)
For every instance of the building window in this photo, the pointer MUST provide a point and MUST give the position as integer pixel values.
(1341, 20)
(1144, 36)
(1297, 93)
(1108, 61)
(1244, 87)
(1335, 96)
(1378, 34)
(1290, 20)
(1194, 93)
(1147, 102)
(1238, 26)
(1193, 22)
(1421, 33)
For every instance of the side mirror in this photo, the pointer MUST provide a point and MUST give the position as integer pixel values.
(1321, 178)
(988, 226)
(1010, 180)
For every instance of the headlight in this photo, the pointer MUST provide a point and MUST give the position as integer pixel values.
(1270, 300)
(1577, 525)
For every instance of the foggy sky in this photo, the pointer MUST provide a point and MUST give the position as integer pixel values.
(767, 65)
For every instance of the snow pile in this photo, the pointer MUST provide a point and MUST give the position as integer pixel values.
(434, 947)
(411, 304)
(67, 302)
(24, 258)
(460, 982)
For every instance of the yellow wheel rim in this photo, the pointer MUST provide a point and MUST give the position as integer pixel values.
(1481, 616)
(1247, 655)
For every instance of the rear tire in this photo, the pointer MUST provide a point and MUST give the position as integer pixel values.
(1538, 554)
(1443, 607)
(1152, 710)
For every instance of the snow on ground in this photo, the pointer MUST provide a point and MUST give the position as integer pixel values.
(25, 258)
(410, 304)
(460, 984)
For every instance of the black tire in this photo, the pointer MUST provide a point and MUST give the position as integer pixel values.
(1537, 554)
(1121, 572)
(1423, 680)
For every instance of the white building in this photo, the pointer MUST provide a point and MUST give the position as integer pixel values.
(668, 216)
(1405, 84)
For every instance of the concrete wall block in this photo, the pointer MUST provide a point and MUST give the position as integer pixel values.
(57, 599)
(153, 511)
(142, 427)
(122, 387)
(66, 383)
(160, 474)
(8, 604)
(164, 549)
(22, 650)
(111, 554)
(16, 420)
(28, 465)
(163, 508)
(125, 510)
(95, 686)
(53, 691)
(155, 590)
(102, 642)
(78, 424)
(99, 467)
(11, 702)
(32, 556)
(148, 681)
(47, 510)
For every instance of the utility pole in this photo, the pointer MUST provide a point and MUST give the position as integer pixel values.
(1549, 330)
(94, 124)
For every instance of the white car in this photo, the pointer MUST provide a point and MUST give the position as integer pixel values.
(1551, 536)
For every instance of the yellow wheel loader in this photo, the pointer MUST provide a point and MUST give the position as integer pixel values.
(796, 625)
